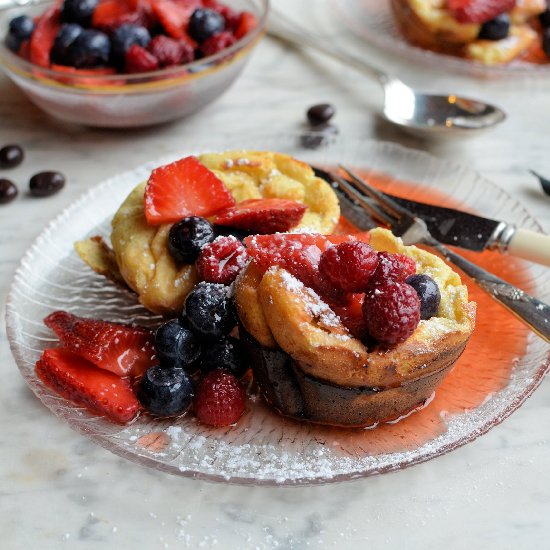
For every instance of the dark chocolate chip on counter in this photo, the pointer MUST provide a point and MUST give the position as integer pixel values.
(45, 184)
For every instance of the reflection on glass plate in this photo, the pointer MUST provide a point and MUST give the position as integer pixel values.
(487, 384)
(373, 21)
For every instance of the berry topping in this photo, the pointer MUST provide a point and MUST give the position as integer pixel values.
(169, 51)
(184, 188)
(125, 37)
(230, 16)
(187, 237)
(204, 23)
(217, 43)
(61, 49)
(165, 391)
(263, 216)
(174, 16)
(247, 22)
(220, 399)
(222, 260)
(352, 318)
(226, 353)
(210, 310)
(320, 114)
(111, 14)
(90, 49)
(11, 156)
(496, 29)
(176, 345)
(391, 311)
(80, 381)
(45, 184)
(395, 267)
(78, 11)
(8, 191)
(21, 27)
(478, 11)
(121, 349)
(349, 266)
(43, 37)
(428, 292)
(139, 60)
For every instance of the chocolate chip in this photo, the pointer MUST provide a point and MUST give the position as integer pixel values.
(11, 156)
(8, 191)
(320, 114)
(45, 184)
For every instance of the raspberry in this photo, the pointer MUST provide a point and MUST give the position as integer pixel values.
(349, 266)
(220, 399)
(391, 311)
(170, 51)
(217, 43)
(139, 60)
(393, 267)
(221, 260)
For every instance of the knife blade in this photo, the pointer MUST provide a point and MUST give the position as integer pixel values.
(458, 228)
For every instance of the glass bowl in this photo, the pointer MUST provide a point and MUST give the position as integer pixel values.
(374, 22)
(264, 448)
(122, 101)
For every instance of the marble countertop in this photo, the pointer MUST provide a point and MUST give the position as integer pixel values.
(58, 489)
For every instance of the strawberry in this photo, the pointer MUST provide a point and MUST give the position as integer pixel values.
(247, 22)
(184, 188)
(111, 14)
(78, 380)
(478, 11)
(43, 36)
(220, 399)
(121, 349)
(139, 60)
(263, 216)
(174, 15)
(351, 315)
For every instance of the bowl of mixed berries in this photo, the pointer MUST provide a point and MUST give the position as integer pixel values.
(128, 63)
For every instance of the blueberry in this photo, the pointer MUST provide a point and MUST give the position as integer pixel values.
(187, 237)
(90, 49)
(11, 156)
(60, 52)
(210, 310)
(204, 23)
(78, 11)
(428, 292)
(8, 191)
(226, 353)
(496, 29)
(176, 345)
(21, 27)
(125, 36)
(45, 184)
(544, 18)
(165, 391)
(320, 114)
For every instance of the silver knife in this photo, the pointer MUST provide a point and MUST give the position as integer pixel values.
(462, 229)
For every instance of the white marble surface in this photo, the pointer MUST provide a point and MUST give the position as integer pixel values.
(59, 490)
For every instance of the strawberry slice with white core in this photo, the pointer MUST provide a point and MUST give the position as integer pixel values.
(263, 215)
(78, 380)
(478, 11)
(184, 188)
(122, 349)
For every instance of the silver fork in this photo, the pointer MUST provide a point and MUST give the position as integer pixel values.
(403, 223)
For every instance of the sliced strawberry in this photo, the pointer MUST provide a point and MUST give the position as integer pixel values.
(247, 22)
(184, 188)
(78, 380)
(351, 315)
(43, 36)
(263, 216)
(174, 15)
(121, 349)
(478, 11)
(111, 14)
(25, 50)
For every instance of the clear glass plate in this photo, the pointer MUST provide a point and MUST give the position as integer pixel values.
(373, 21)
(264, 448)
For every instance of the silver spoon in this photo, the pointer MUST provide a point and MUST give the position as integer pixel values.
(420, 113)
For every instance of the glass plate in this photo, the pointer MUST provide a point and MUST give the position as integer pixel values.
(265, 448)
(373, 21)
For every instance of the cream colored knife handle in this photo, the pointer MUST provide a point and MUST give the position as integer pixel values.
(531, 246)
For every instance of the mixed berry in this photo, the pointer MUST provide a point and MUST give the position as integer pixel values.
(196, 362)
(126, 36)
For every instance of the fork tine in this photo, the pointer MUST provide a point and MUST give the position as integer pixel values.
(385, 202)
(356, 196)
